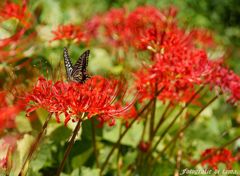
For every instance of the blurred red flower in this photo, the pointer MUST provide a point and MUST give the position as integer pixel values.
(7, 147)
(13, 10)
(70, 32)
(223, 156)
(114, 24)
(140, 28)
(95, 97)
(91, 26)
(203, 37)
(227, 80)
(9, 112)
(13, 46)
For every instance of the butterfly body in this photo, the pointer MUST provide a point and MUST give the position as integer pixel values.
(77, 72)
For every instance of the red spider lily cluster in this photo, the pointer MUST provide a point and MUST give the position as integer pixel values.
(9, 112)
(223, 156)
(178, 64)
(95, 97)
(147, 28)
(177, 71)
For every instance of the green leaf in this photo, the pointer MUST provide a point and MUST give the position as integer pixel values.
(75, 172)
(89, 172)
(42, 156)
(117, 69)
(132, 137)
(87, 129)
(42, 115)
(79, 160)
(23, 124)
(23, 147)
(99, 61)
(165, 168)
(51, 15)
(42, 63)
(129, 158)
(61, 133)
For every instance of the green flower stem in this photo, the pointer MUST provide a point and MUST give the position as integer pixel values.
(145, 121)
(119, 154)
(125, 131)
(140, 161)
(162, 119)
(186, 126)
(179, 148)
(34, 146)
(152, 119)
(94, 142)
(139, 155)
(120, 138)
(174, 120)
(70, 145)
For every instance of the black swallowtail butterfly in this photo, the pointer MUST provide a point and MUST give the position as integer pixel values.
(77, 72)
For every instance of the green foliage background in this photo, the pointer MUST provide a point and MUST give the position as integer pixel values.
(220, 122)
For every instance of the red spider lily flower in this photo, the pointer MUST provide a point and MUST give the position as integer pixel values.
(140, 29)
(145, 16)
(178, 71)
(122, 29)
(114, 24)
(132, 113)
(146, 25)
(95, 97)
(148, 28)
(227, 80)
(203, 37)
(70, 32)
(92, 26)
(8, 112)
(223, 156)
(13, 10)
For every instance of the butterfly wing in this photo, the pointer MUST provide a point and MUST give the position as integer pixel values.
(67, 63)
(79, 72)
